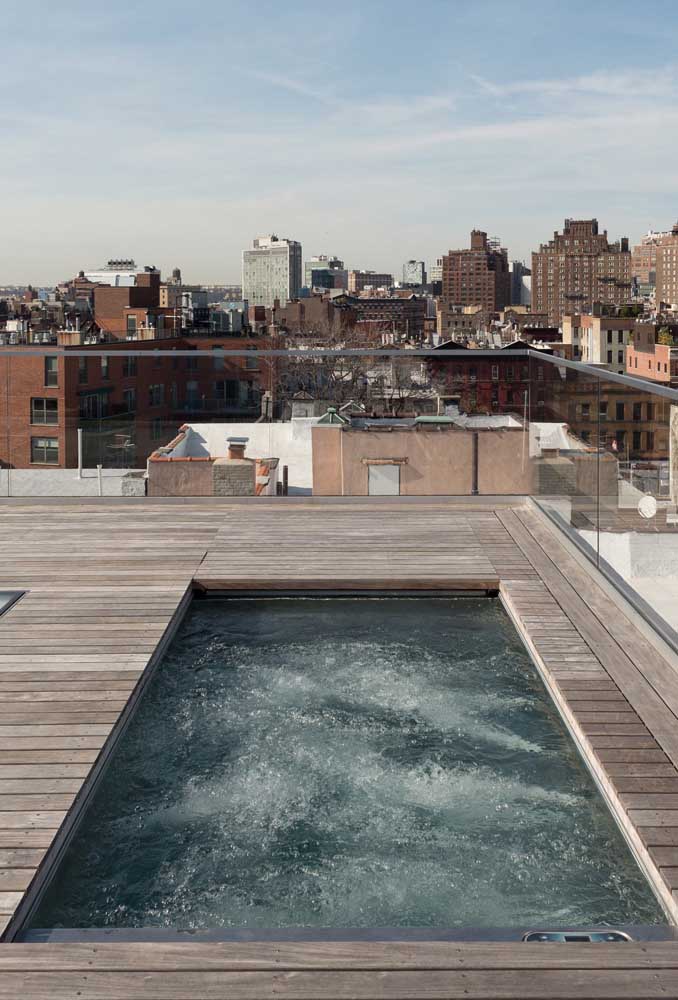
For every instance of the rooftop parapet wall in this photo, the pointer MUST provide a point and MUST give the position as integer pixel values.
(447, 461)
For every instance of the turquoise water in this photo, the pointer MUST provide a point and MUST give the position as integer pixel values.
(347, 763)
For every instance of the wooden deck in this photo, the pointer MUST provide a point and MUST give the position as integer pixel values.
(108, 582)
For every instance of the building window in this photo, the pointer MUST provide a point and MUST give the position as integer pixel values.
(650, 411)
(93, 406)
(585, 410)
(620, 337)
(51, 371)
(495, 373)
(131, 327)
(191, 364)
(609, 357)
(129, 367)
(129, 399)
(650, 440)
(609, 336)
(620, 357)
(44, 411)
(509, 373)
(156, 395)
(637, 411)
(603, 409)
(83, 374)
(585, 436)
(45, 451)
(156, 429)
(104, 368)
(619, 411)
(636, 441)
(157, 360)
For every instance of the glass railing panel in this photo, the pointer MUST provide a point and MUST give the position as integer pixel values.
(638, 528)
(573, 476)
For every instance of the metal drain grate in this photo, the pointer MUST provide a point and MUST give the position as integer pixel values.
(578, 937)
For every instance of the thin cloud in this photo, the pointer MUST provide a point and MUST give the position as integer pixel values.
(295, 86)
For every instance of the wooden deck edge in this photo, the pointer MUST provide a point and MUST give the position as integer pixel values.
(331, 956)
(356, 583)
(54, 855)
(594, 766)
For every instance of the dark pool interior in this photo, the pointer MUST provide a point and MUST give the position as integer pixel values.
(347, 763)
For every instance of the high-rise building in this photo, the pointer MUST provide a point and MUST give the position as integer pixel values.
(577, 268)
(667, 269)
(436, 271)
(414, 272)
(521, 286)
(325, 272)
(644, 256)
(271, 270)
(477, 277)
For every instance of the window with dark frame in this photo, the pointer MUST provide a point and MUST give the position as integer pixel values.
(44, 411)
(45, 451)
(51, 371)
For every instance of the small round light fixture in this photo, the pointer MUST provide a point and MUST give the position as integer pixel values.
(647, 506)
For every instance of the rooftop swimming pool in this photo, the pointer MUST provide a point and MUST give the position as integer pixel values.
(347, 763)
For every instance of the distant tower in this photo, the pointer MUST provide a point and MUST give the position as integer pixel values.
(176, 276)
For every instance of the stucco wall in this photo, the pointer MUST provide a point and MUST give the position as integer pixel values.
(180, 478)
(437, 463)
(504, 464)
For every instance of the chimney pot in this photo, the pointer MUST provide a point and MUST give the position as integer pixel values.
(236, 447)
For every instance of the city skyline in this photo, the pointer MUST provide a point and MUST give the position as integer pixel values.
(177, 136)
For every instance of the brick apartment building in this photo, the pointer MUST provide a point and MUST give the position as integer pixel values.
(667, 270)
(394, 319)
(125, 406)
(580, 267)
(477, 277)
(644, 258)
(496, 382)
(647, 358)
(378, 318)
(632, 425)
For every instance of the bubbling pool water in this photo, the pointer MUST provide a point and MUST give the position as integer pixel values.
(347, 763)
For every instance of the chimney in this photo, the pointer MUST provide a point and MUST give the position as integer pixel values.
(236, 447)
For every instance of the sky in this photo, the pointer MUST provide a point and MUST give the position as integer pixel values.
(377, 131)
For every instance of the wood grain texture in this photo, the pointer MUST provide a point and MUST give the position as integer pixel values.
(105, 581)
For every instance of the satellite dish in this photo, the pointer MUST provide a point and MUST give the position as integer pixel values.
(647, 506)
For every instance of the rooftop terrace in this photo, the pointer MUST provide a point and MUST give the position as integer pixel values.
(107, 583)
